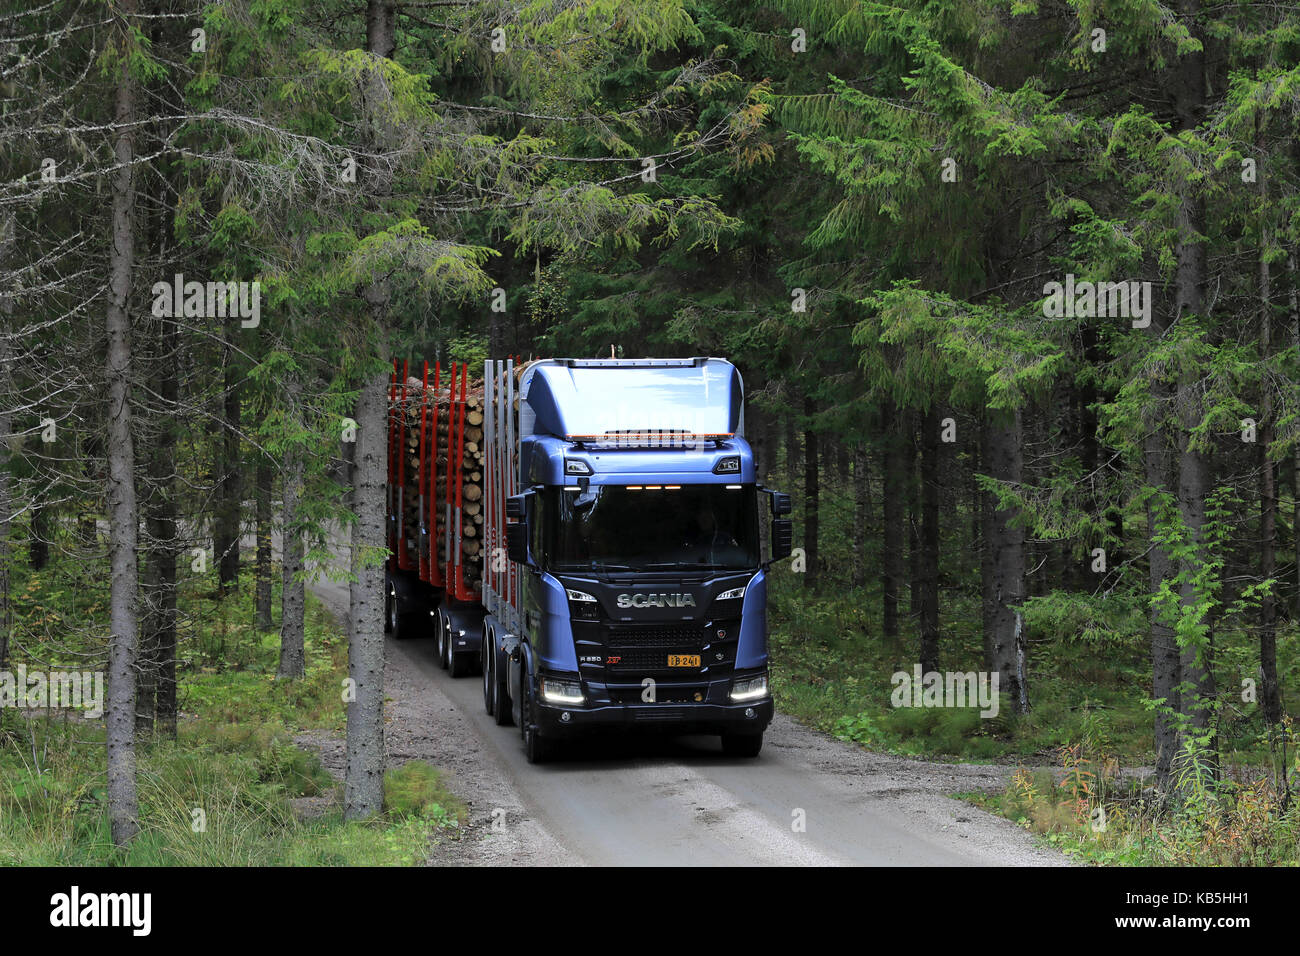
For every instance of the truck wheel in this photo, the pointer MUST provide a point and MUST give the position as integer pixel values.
(500, 694)
(742, 745)
(536, 747)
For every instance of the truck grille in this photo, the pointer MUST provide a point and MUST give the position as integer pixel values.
(625, 639)
(635, 651)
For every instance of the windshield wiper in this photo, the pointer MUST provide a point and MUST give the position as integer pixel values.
(605, 566)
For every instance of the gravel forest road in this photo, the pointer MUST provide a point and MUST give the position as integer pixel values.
(679, 801)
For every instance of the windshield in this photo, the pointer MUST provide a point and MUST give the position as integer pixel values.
(638, 527)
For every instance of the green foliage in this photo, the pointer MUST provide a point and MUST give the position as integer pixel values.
(416, 789)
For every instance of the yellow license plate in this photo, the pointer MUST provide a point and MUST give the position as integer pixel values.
(683, 660)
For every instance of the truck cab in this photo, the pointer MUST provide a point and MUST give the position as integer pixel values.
(635, 533)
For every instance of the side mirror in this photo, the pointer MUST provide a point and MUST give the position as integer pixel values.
(782, 538)
(517, 528)
(780, 503)
(517, 542)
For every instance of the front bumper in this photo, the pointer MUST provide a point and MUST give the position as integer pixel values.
(674, 718)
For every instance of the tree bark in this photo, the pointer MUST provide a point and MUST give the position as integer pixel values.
(1293, 275)
(1006, 638)
(363, 784)
(122, 513)
(7, 230)
(1194, 480)
(861, 512)
(262, 598)
(1166, 664)
(793, 452)
(929, 583)
(38, 538)
(1270, 698)
(812, 496)
(292, 591)
(912, 523)
(229, 505)
(892, 508)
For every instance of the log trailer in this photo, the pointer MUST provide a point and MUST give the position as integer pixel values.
(584, 533)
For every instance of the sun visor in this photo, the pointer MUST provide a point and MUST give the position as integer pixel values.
(595, 399)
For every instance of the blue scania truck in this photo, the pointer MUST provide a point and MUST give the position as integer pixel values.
(622, 584)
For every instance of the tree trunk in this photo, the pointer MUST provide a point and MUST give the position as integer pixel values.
(292, 591)
(912, 524)
(156, 707)
(363, 785)
(792, 450)
(929, 553)
(38, 540)
(1270, 699)
(812, 493)
(861, 512)
(1293, 275)
(226, 538)
(1006, 639)
(772, 441)
(1194, 479)
(1166, 665)
(7, 230)
(122, 802)
(265, 480)
(756, 436)
(891, 578)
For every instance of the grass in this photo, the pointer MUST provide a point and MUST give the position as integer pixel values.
(1088, 810)
(222, 793)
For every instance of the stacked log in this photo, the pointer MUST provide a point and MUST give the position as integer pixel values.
(440, 405)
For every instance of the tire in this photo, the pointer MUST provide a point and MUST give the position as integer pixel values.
(457, 665)
(398, 624)
(501, 711)
(742, 745)
(444, 636)
(486, 652)
(536, 747)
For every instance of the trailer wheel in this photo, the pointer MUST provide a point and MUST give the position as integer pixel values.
(444, 638)
(398, 624)
(457, 666)
(742, 745)
(536, 747)
(390, 607)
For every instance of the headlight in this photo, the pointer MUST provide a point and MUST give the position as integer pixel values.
(556, 690)
(579, 595)
(732, 594)
(749, 688)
